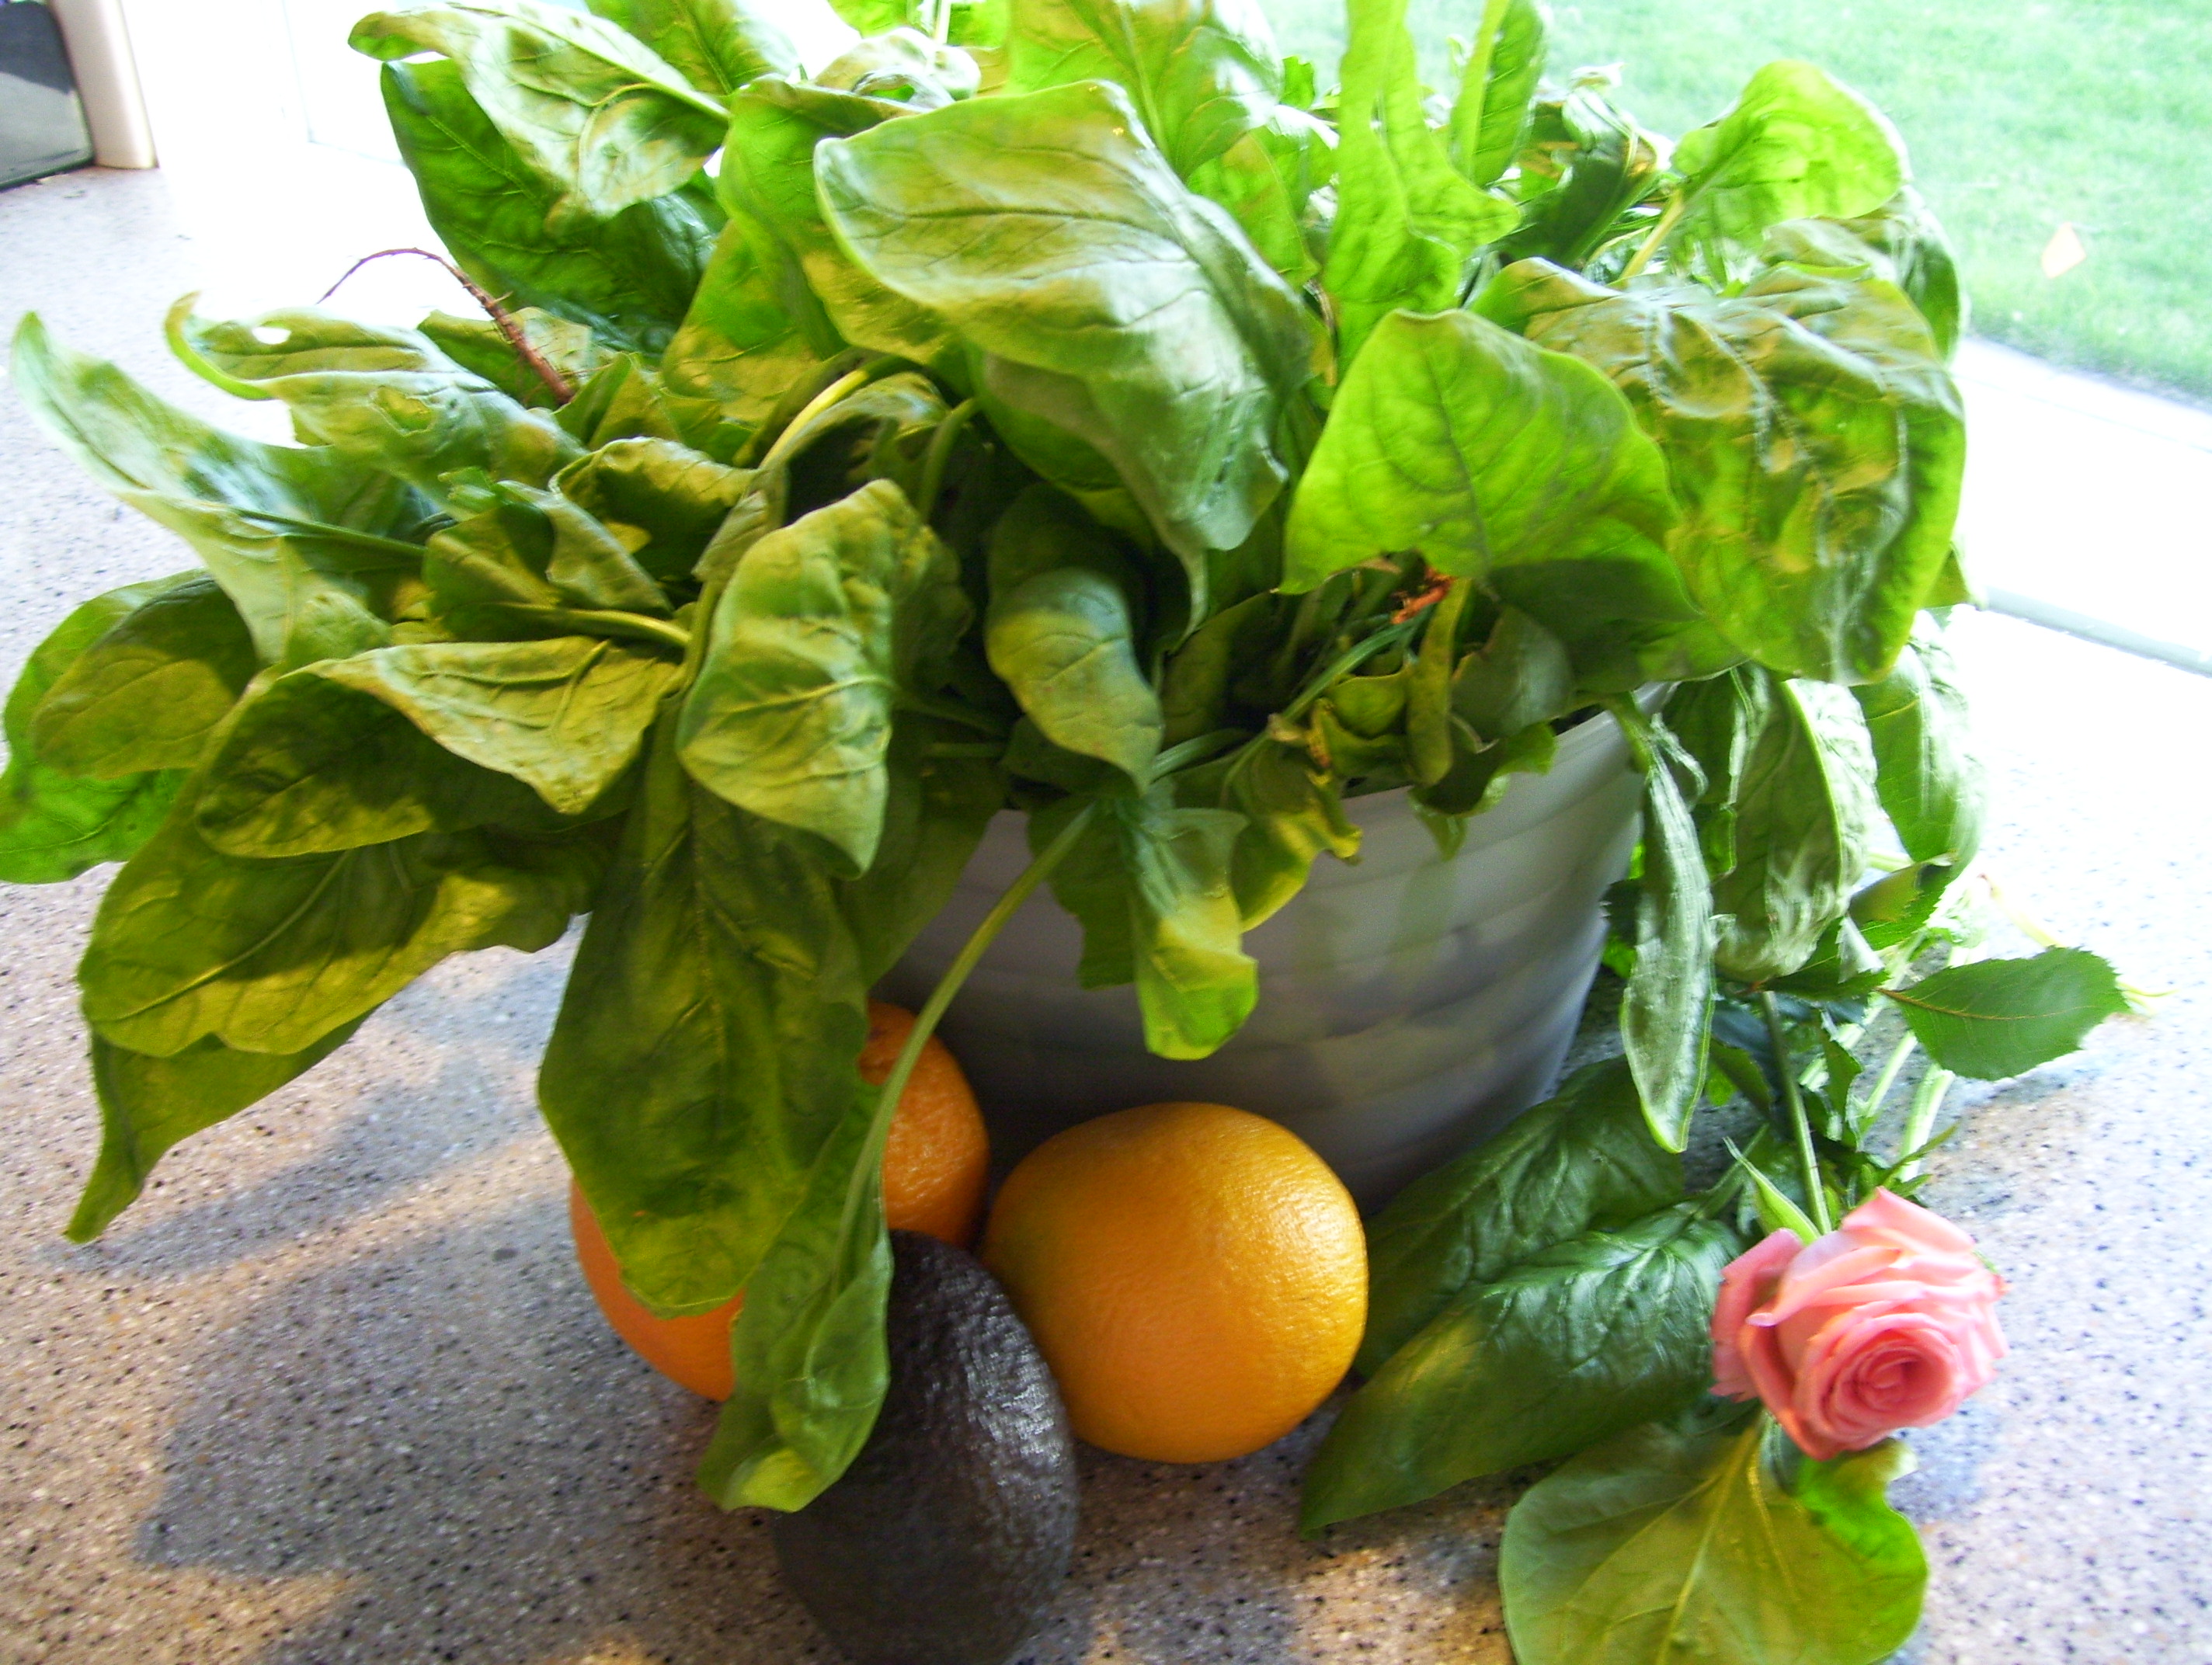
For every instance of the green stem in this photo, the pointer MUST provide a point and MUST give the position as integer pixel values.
(793, 434)
(1816, 1194)
(368, 540)
(926, 1020)
(1920, 1120)
(1863, 1118)
(1660, 233)
(940, 454)
(1390, 636)
(602, 620)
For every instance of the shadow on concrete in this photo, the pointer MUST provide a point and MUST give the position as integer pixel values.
(447, 1424)
(484, 1039)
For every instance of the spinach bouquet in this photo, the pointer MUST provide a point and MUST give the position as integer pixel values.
(888, 419)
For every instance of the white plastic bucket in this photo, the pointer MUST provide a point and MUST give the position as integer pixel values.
(1409, 1006)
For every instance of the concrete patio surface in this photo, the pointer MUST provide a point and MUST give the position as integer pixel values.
(333, 1394)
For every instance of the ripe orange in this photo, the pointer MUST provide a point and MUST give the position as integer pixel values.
(1195, 1276)
(936, 1159)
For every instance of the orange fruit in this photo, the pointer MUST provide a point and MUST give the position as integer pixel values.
(1195, 1276)
(936, 1159)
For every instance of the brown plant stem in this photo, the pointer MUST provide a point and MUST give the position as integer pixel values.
(555, 384)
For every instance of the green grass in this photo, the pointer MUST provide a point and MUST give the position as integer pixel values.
(2019, 118)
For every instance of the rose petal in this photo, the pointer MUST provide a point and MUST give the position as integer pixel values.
(1746, 1282)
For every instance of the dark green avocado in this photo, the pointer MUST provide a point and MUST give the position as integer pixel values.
(946, 1540)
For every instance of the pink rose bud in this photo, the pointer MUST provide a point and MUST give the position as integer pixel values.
(1889, 1322)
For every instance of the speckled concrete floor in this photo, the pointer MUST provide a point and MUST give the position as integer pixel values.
(333, 1393)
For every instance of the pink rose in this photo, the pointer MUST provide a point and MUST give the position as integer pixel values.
(1886, 1322)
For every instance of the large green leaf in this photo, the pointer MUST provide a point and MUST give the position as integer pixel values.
(717, 45)
(383, 396)
(1059, 631)
(151, 690)
(519, 546)
(1804, 806)
(148, 1105)
(1995, 1019)
(1811, 436)
(940, 802)
(1795, 145)
(1671, 1546)
(808, 1349)
(1926, 772)
(825, 625)
(1291, 816)
(767, 184)
(1247, 180)
(1151, 882)
(1577, 1342)
(741, 347)
(1668, 1004)
(677, 498)
(1407, 221)
(592, 112)
(1901, 242)
(1504, 62)
(271, 955)
(1586, 164)
(630, 278)
(1109, 300)
(1504, 463)
(565, 716)
(1401, 205)
(1582, 1158)
(54, 824)
(1199, 73)
(707, 1044)
(307, 543)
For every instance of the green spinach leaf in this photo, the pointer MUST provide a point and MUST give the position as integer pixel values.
(1579, 1341)
(1583, 1157)
(1108, 299)
(629, 276)
(1925, 769)
(824, 626)
(718, 46)
(55, 823)
(742, 345)
(1150, 882)
(1804, 804)
(565, 716)
(1407, 221)
(1604, 164)
(593, 111)
(1504, 62)
(1062, 635)
(1668, 1008)
(1200, 74)
(1812, 437)
(1795, 145)
(307, 543)
(808, 1348)
(385, 397)
(271, 957)
(1507, 464)
(706, 1050)
(149, 692)
(677, 498)
(768, 183)
(147, 1106)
